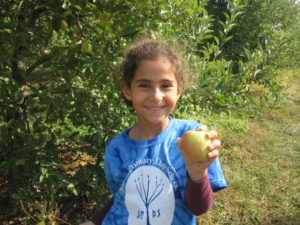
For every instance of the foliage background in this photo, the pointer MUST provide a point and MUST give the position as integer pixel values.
(60, 105)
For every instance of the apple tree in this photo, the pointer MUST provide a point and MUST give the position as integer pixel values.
(59, 102)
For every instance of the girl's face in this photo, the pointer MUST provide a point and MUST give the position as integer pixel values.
(154, 91)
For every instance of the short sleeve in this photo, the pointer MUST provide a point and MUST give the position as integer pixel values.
(111, 168)
(216, 177)
(107, 169)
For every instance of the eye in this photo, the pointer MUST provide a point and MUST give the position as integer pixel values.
(166, 86)
(144, 85)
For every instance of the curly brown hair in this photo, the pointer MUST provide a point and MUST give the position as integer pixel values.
(146, 48)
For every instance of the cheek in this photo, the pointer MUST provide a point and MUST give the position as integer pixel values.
(172, 99)
(139, 97)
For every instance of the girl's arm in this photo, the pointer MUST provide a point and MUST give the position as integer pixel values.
(99, 216)
(199, 195)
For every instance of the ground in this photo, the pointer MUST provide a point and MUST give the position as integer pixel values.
(260, 159)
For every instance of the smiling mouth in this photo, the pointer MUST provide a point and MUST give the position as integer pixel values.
(154, 108)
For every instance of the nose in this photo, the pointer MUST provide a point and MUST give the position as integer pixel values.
(157, 94)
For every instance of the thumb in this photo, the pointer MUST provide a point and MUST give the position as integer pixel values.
(179, 145)
(178, 142)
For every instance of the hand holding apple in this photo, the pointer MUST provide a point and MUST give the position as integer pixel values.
(199, 149)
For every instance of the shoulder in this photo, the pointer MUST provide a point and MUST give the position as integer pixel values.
(178, 127)
(116, 141)
(185, 124)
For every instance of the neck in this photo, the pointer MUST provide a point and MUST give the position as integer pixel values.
(146, 131)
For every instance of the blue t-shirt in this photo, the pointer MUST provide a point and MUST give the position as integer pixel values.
(148, 178)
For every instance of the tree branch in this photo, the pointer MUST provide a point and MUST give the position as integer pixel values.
(39, 62)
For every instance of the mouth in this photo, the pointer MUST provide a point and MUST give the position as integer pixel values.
(154, 108)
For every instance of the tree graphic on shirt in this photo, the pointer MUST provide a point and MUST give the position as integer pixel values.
(147, 195)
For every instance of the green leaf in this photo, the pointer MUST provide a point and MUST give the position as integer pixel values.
(217, 40)
(203, 92)
(229, 38)
(72, 188)
(20, 162)
(129, 31)
(44, 171)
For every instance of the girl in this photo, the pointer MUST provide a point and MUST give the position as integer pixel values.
(152, 180)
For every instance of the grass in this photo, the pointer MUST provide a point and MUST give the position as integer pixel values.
(260, 159)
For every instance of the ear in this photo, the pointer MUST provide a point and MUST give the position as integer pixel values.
(179, 92)
(126, 91)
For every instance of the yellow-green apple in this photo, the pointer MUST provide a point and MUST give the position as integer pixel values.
(63, 25)
(195, 143)
(45, 52)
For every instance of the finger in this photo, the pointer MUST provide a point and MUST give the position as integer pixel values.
(183, 153)
(215, 144)
(178, 143)
(203, 128)
(213, 154)
(212, 134)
